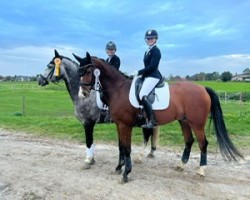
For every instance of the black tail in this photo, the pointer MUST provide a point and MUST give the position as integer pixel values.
(147, 133)
(227, 148)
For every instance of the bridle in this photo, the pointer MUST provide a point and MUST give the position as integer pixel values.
(55, 71)
(81, 72)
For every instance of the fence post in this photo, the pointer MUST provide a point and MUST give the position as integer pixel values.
(23, 109)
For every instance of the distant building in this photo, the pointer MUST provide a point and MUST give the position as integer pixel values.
(22, 78)
(242, 77)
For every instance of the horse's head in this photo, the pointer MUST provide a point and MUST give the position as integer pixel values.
(86, 72)
(55, 70)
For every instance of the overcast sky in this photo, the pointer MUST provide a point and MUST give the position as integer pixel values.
(194, 36)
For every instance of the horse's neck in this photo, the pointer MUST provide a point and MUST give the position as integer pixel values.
(72, 81)
(112, 81)
(109, 77)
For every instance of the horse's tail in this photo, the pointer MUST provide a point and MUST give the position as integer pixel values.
(227, 148)
(147, 133)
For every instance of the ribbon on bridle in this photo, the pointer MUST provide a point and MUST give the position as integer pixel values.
(97, 81)
(57, 62)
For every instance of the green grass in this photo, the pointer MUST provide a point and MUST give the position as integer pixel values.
(229, 87)
(48, 111)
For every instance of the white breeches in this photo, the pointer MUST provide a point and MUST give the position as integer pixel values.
(148, 85)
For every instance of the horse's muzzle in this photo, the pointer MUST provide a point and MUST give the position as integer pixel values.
(42, 80)
(83, 93)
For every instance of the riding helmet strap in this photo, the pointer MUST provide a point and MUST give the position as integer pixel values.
(57, 66)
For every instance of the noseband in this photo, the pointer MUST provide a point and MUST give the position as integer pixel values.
(45, 78)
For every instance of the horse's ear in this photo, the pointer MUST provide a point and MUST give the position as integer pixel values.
(56, 54)
(79, 59)
(88, 57)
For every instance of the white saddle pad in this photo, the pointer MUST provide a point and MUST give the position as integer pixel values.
(162, 96)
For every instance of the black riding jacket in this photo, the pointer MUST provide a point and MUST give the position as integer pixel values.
(114, 61)
(151, 63)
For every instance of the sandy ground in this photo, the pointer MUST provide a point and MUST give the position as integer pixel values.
(38, 168)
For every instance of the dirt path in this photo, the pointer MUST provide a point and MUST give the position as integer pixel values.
(35, 168)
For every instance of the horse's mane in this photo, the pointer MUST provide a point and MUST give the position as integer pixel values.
(103, 61)
(69, 59)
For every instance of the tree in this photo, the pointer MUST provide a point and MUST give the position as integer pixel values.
(177, 78)
(226, 76)
(247, 70)
(187, 77)
(216, 76)
(170, 77)
(209, 77)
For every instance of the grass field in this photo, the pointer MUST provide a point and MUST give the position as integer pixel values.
(49, 111)
(227, 86)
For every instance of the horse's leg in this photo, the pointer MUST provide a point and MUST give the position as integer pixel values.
(188, 138)
(147, 133)
(201, 137)
(154, 141)
(89, 128)
(124, 132)
(128, 163)
(121, 162)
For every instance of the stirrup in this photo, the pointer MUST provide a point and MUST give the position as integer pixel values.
(149, 125)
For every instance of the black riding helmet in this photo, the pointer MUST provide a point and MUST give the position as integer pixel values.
(151, 34)
(111, 45)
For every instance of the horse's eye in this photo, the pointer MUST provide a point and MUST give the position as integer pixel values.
(88, 72)
(80, 72)
(50, 65)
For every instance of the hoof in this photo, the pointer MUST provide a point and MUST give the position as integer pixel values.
(180, 167)
(88, 162)
(118, 171)
(150, 155)
(86, 165)
(123, 180)
(201, 172)
(199, 176)
(138, 161)
(92, 162)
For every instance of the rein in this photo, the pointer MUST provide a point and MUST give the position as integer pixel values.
(57, 84)
(114, 89)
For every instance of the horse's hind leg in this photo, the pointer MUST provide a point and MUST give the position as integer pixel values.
(152, 133)
(154, 141)
(201, 137)
(188, 137)
(147, 133)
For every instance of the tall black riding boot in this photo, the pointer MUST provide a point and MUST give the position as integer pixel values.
(150, 114)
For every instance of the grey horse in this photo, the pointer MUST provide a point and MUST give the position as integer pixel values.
(86, 109)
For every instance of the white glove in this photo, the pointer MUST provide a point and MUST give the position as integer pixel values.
(135, 73)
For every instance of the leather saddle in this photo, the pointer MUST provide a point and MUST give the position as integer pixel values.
(151, 96)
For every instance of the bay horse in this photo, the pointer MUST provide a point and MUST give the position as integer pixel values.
(190, 104)
(86, 109)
